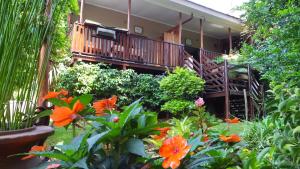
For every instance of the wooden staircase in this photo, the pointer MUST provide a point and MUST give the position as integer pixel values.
(241, 91)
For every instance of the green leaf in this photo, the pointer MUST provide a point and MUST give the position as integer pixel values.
(296, 130)
(94, 139)
(136, 146)
(263, 153)
(56, 154)
(44, 114)
(58, 102)
(72, 148)
(142, 121)
(81, 163)
(129, 113)
(195, 143)
(85, 99)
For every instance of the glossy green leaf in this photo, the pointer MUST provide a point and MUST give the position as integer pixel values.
(136, 146)
(94, 139)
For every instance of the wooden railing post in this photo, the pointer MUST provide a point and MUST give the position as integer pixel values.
(201, 63)
(250, 91)
(226, 90)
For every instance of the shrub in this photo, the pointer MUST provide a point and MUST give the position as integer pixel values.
(178, 106)
(179, 89)
(181, 84)
(103, 81)
(78, 79)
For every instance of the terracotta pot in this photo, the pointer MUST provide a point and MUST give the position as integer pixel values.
(20, 141)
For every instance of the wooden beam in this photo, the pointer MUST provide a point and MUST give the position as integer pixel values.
(183, 22)
(189, 19)
(201, 34)
(81, 11)
(226, 89)
(43, 70)
(129, 16)
(230, 40)
(179, 28)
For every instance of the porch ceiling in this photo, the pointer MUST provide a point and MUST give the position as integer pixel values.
(166, 11)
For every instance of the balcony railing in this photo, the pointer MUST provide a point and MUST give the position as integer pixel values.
(129, 48)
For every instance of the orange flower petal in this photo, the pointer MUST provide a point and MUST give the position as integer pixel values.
(166, 150)
(106, 104)
(230, 139)
(34, 148)
(51, 95)
(234, 120)
(62, 123)
(62, 116)
(64, 92)
(67, 100)
(27, 157)
(38, 148)
(163, 133)
(171, 162)
(173, 150)
(78, 106)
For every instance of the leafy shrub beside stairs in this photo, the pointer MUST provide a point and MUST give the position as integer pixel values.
(180, 88)
(103, 82)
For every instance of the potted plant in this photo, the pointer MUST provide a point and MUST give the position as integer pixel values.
(24, 29)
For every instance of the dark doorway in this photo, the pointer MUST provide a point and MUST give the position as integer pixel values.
(192, 51)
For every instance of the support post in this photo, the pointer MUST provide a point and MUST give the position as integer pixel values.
(201, 34)
(226, 90)
(251, 107)
(179, 28)
(81, 11)
(246, 104)
(43, 70)
(124, 66)
(201, 63)
(230, 40)
(129, 16)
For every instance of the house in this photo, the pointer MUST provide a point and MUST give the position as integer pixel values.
(155, 35)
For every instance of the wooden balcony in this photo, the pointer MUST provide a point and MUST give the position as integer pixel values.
(127, 49)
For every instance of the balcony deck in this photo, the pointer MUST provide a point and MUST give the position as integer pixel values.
(125, 49)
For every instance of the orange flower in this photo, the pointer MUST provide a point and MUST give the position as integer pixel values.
(64, 92)
(63, 116)
(234, 120)
(67, 99)
(233, 138)
(163, 133)
(105, 104)
(173, 150)
(34, 149)
(51, 95)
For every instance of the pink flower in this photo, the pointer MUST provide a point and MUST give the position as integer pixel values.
(199, 102)
(53, 166)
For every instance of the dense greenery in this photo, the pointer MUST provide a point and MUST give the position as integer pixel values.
(61, 40)
(274, 26)
(180, 88)
(103, 82)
